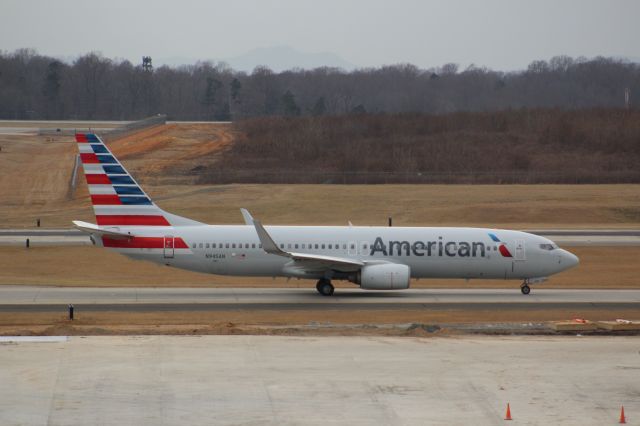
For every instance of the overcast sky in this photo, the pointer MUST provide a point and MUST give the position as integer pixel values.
(500, 34)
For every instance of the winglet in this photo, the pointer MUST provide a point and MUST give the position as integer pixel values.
(248, 219)
(267, 242)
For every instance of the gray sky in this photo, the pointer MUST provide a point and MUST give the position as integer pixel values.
(501, 34)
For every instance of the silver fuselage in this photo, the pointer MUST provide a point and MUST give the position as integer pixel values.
(430, 252)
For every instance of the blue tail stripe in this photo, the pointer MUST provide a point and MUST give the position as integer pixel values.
(121, 180)
(116, 170)
(128, 190)
(107, 159)
(494, 238)
(99, 149)
(138, 201)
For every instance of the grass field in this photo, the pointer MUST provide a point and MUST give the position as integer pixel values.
(496, 206)
(36, 172)
(35, 184)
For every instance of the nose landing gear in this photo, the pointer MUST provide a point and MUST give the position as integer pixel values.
(325, 287)
(525, 289)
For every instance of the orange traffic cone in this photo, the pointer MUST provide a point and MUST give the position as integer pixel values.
(508, 415)
(623, 420)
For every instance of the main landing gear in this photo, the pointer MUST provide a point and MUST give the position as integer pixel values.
(325, 287)
(525, 289)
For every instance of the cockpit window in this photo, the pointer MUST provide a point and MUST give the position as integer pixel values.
(548, 247)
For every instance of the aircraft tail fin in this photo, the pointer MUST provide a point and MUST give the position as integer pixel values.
(118, 200)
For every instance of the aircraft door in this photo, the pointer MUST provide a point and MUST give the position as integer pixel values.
(520, 253)
(168, 247)
(518, 266)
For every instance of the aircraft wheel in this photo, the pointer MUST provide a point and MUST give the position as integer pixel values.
(325, 287)
(525, 289)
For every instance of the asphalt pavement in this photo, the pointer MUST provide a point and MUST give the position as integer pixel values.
(46, 299)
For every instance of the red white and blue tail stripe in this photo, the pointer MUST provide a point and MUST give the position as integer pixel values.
(117, 198)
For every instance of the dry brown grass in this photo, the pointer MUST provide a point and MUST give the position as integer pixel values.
(276, 322)
(600, 267)
(496, 206)
(36, 173)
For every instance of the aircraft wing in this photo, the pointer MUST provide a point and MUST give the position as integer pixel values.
(96, 230)
(315, 260)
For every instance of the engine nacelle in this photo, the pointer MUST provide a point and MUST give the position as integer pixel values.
(386, 276)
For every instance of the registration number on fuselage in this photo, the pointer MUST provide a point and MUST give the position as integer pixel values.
(215, 256)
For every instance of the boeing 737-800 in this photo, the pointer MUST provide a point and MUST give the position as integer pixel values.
(375, 258)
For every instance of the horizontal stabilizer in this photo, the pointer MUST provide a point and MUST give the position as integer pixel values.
(90, 228)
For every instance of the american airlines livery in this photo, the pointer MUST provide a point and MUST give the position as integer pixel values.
(375, 258)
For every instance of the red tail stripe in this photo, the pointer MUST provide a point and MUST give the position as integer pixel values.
(89, 159)
(143, 242)
(504, 251)
(105, 200)
(81, 138)
(143, 220)
(98, 180)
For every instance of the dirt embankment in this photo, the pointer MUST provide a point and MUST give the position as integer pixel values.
(37, 170)
(173, 153)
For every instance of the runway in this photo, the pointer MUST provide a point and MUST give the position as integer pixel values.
(47, 299)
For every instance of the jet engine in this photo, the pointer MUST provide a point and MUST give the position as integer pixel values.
(386, 276)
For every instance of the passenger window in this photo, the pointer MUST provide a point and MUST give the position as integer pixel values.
(281, 246)
(207, 245)
(194, 245)
(353, 246)
(253, 245)
(303, 245)
(316, 246)
(288, 246)
(344, 247)
(227, 245)
(323, 247)
(260, 245)
(296, 246)
(233, 245)
(200, 245)
(330, 246)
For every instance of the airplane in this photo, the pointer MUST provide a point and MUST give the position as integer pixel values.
(373, 257)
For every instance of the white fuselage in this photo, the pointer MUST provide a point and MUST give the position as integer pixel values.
(429, 252)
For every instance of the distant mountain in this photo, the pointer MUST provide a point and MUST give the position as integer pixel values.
(278, 58)
(281, 58)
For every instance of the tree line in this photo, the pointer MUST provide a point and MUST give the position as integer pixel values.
(34, 86)
(514, 146)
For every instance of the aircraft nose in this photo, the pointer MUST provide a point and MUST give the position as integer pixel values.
(569, 260)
